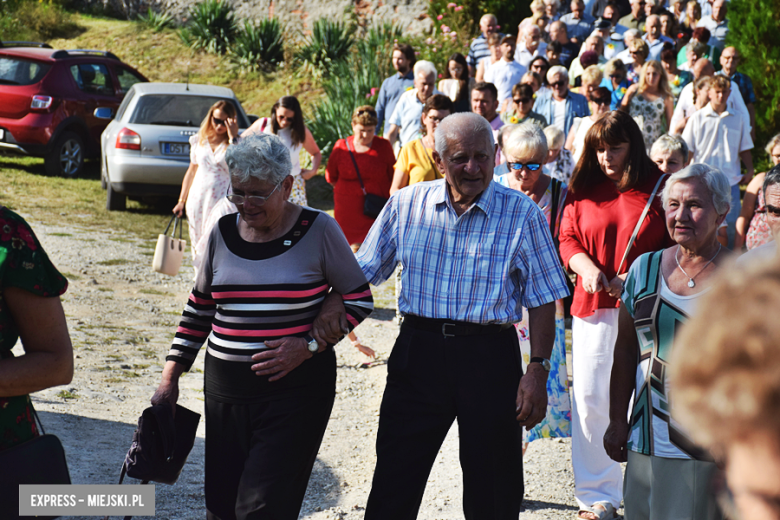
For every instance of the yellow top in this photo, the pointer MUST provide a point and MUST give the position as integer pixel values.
(415, 160)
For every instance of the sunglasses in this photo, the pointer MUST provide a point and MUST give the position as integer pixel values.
(517, 166)
(369, 112)
(522, 100)
(601, 101)
(558, 84)
(288, 119)
(217, 121)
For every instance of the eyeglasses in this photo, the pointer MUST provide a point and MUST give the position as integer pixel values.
(602, 101)
(369, 112)
(257, 200)
(522, 100)
(517, 166)
(217, 121)
(558, 84)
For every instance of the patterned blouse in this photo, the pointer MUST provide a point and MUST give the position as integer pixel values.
(23, 264)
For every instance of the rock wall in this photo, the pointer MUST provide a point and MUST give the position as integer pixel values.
(297, 15)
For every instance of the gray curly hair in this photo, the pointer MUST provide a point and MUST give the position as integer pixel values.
(259, 156)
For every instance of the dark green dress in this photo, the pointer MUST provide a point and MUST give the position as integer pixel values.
(23, 264)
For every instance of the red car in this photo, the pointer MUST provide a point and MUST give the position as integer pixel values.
(48, 100)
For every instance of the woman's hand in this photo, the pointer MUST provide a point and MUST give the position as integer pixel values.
(594, 281)
(178, 209)
(616, 441)
(232, 127)
(281, 358)
(615, 288)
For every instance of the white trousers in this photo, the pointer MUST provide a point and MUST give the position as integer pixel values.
(596, 477)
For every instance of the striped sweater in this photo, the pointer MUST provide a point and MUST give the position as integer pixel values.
(248, 293)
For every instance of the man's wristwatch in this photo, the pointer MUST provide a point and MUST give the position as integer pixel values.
(312, 345)
(542, 361)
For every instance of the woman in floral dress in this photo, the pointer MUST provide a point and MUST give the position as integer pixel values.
(525, 146)
(650, 102)
(206, 182)
(30, 309)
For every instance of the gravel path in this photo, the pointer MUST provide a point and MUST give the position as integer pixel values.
(122, 318)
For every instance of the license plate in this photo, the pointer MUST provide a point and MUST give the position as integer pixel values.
(176, 148)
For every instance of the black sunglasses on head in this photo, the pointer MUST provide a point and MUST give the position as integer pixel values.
(369, 112)
(522, 100)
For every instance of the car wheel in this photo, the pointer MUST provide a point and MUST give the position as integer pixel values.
(115, 201)
(67, 156)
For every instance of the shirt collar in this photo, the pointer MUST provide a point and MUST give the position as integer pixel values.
(408, 75)
(710, 112)
(440, 195)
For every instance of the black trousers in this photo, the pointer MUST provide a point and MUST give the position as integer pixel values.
(259, 456)
(431, 380)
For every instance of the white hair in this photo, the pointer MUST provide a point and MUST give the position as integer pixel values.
(554, 136)
(555, 70)
(456, 125)
(713, 179)
(670, 143)
(634, 33)
(526, 139)
(425, 67)
(259, 156)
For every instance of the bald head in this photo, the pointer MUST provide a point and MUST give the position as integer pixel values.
(558, 32)
(653, 27)
(702, 68)
(487, 24)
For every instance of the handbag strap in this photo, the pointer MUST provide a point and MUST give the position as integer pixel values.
(37, 419)
(425, 152)
(639, 223)
(362, 187)
(555, 191)
(175, 221)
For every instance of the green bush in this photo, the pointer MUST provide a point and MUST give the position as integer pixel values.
(259, 46)
(753, 32)
(329, 43)
(30, 20)
(156, 21)
(350, 85)
(375, 49)
(212, 26)
(508, 12)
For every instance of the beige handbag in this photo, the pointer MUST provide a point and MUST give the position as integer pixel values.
(170, 250)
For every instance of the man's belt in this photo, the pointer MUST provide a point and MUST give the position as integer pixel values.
(449, 328)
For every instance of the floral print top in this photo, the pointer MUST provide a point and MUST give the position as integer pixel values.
(23, 264)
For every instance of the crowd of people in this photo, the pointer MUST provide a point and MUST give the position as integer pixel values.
(589, 168)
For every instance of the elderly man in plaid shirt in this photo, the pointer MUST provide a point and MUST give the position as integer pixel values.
(473, 254)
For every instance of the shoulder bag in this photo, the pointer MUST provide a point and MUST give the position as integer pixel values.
(639, 223)
(170, 250)
(372, 204)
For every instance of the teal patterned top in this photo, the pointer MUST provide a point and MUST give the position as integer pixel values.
(23, 264)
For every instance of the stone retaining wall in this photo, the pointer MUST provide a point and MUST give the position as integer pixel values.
(297, 15)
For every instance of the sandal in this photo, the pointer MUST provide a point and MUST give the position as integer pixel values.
(603, 510)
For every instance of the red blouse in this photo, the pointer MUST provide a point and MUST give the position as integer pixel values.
(376, 170)
(599, 222)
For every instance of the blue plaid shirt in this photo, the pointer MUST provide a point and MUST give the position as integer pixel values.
(745, 85)
(481, 267)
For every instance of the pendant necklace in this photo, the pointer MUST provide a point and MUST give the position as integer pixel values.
(691, 283)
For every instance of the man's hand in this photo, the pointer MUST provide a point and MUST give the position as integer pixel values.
(167, 392)
(616, 441)
(532, 396)
(331, 324)
(745, 180)
(282, 356)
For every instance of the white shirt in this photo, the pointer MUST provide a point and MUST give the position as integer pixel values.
(523, 56)
(625, 56)
(559, 112)
(718, 30)
(685, 105)
(656, 46)
(504, 75)
(717, 139)
(406, 116)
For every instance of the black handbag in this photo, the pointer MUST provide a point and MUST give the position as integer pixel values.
(161, 444)
(372, 204)
(40, 460)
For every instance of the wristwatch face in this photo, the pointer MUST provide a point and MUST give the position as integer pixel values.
(546, 364)
(313, 346)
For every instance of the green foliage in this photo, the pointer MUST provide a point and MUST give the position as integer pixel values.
(508, 12)
(753, 32)
(212, 26)
(350, 85)
(329, 43)
(35, 21)
(375, 49)
(156, 21)
(258, 46)
(451, 33)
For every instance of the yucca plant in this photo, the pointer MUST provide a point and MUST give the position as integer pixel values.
(212, 26)
(375, 49)
(258, 46)
(330, 42)
(156, 21)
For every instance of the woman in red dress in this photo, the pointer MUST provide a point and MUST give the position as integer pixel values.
(374, 158)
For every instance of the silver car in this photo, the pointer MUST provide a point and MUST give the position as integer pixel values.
(146, 149)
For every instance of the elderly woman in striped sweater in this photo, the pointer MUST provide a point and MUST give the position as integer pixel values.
(269, 386)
